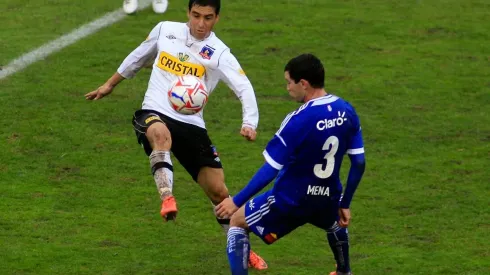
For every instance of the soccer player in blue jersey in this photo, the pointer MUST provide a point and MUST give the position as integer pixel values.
(304, 157)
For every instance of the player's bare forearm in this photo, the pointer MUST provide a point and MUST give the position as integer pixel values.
(115, 79)
(105, 89)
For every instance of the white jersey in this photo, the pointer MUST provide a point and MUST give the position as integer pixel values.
(175, 52)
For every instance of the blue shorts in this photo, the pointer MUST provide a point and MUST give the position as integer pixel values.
(270, 222)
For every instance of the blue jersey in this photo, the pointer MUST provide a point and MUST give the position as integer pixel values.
(308, 149)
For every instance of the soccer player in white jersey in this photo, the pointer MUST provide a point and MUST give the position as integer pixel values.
(177, 49)
(159, 6)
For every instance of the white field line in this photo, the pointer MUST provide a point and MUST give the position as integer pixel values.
(45, 50)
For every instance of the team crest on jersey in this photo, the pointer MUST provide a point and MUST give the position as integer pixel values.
(206, 52)
(183, 57)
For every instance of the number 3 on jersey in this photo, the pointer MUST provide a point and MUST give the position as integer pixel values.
(332, 144)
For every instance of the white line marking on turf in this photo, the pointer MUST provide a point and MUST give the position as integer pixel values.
(45, 50)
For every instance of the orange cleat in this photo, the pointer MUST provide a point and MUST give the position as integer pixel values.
(169, 208)
(256, 262)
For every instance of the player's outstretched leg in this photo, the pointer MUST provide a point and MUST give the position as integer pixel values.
(254, 260)
(238, 248)
(212, 181)
(162, 169)
(338, 239)
(130, 6)
(160, 140)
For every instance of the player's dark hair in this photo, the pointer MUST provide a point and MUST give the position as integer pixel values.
(216, 4)
(307, 67)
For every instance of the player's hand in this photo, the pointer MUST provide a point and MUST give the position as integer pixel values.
(248, 133)
(344, 214)
(226, 208)
(100, 92)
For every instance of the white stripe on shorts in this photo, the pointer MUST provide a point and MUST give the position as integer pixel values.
(264, 209)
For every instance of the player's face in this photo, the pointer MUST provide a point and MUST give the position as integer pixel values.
(296, 90)
(202, 20)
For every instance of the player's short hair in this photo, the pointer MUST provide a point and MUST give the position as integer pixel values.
(307, 67)
(216, 4)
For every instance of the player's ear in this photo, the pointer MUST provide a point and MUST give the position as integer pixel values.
(217, 19)
(304, 83)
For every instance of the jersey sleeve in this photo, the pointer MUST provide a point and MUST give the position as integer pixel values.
(290, 135)
(146, 52)
(356, 144)
(233, 75)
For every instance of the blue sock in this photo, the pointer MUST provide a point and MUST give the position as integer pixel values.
(338, 238)
(238, 249)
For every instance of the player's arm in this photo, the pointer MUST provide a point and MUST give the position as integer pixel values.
(358, 164)
(276, 154)
(233, 75)
(137, 59)
(259, 181)
(291, 134)
(142, 55)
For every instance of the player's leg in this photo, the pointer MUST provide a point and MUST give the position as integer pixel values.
(338, 238)
(194, 150)
(212, 181)
(130, 6)
(155, 137)
(238, 243)
(259, 217)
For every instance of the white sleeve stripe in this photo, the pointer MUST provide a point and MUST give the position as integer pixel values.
(285, 122)
(355, 151)
(282, 140)
(272, 162)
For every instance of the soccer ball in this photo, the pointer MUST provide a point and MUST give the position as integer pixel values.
(187, 95)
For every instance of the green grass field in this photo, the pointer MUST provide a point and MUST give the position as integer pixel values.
(77, 196)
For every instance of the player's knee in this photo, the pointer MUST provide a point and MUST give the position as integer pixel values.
(159, 136)
(219, 195)
(238, 220)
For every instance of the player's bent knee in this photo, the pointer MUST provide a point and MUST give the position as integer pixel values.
(238, 219)
(219, 195)
(159, 136)
(213, 183)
